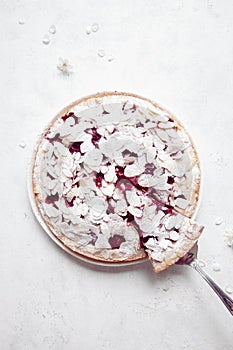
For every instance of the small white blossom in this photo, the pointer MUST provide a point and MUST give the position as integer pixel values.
(64, 66)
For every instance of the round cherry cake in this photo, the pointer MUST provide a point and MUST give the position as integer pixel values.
(115, 178)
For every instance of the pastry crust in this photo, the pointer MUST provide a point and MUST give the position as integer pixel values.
(135, 141)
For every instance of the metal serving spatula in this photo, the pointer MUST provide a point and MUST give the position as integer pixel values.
(190, 259)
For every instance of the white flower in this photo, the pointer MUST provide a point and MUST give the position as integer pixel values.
(64, 66)
(229, 237)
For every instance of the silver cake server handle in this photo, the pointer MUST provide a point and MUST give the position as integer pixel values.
(190, 259)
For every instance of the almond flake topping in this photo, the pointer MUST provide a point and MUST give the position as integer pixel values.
(113, 180)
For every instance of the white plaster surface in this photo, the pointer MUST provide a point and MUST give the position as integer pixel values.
(179, 53)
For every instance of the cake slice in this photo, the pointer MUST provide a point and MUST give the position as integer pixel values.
(165, 234)
(170, 239)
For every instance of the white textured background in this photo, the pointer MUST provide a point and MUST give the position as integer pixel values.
(179, 53)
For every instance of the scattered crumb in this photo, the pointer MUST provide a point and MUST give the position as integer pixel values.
(216, 267)
(110, 58)
(210, 4)
(21, 21)
(22, 144)
(95, 27)
(165, 287)
(52, 29)
(88, 30)
(201, 263)
(218, 220)
(46, 40)
(101, 53)
(229, 289)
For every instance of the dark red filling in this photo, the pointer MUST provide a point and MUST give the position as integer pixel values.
(95, 137)
(71, 114)
(170, 180)
(105, 112)
(132, 180)
(127, 153)
(56, 138)
(99, 179)
(71, 203)
(52, 199)
(168, 210)
(75, 147)
(94, 238)
(146, 239)
(128, 217)
(115, 241)
(149, 168)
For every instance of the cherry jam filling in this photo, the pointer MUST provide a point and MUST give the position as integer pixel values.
(55, 138)
(116, 241)
(149, 168)
(105, 112)
(75, 147)
(71, 203)
(132, 180)
(110, 209)
(52, 198)
(99, 179)
(170, 180)
(168, 210)
(68, 115)
(144, 240)
(139, 125)
(128, 217)
(150, 192)
(95, 136)
(126, 153)
(94, 237)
